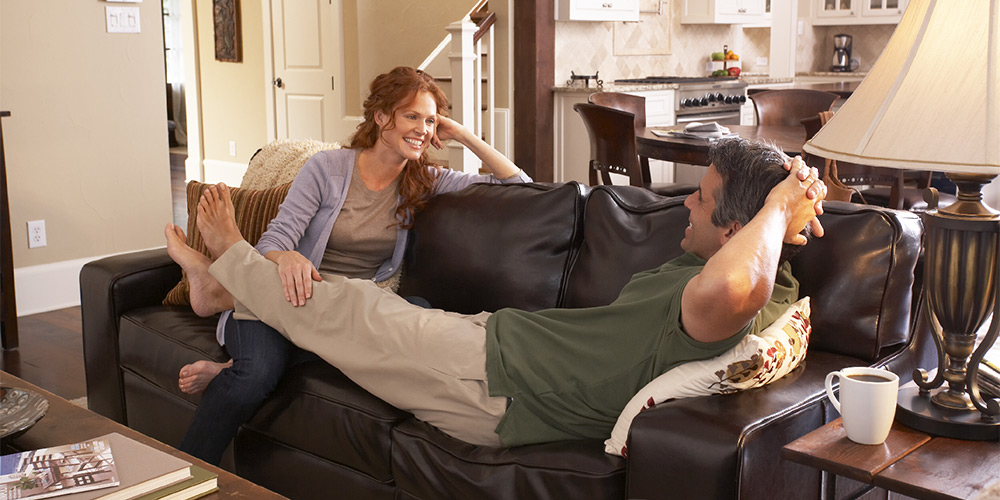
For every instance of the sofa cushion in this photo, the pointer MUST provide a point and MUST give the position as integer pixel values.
(491, 246)
(860, 279)
(626, 230)
(254, 211)
(428, 463)
(156, 341)
(317, 410)
(755, 361)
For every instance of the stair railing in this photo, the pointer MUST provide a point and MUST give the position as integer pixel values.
(470, 55)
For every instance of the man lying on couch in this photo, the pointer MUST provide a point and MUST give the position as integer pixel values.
(515, 377)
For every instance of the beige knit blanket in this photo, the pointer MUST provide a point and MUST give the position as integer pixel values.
(278, 162)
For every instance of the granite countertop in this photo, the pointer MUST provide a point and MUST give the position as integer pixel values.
(615, 87)
(749, 78)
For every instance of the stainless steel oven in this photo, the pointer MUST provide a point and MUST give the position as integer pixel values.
(700, 100)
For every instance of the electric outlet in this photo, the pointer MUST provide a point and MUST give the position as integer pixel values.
(761, 61)
(36, 233)
(232, 148)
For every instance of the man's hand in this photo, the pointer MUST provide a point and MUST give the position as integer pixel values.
(297, 275)
(803, 194)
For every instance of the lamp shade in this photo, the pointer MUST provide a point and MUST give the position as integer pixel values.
(932, 100)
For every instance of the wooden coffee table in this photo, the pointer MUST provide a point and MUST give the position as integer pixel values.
(909, 462)
(66, 423)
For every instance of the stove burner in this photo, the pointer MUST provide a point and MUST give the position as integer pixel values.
(676, 79)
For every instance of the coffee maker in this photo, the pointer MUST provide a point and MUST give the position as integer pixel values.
(841, 53)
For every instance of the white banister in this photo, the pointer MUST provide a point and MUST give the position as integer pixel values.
(464, 93)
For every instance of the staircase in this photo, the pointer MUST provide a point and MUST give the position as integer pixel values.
(463, 68)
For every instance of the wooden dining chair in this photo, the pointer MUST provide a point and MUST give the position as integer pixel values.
(613, 151)
(636, 107)
(790, 106)
(882, 186)
(635, 104)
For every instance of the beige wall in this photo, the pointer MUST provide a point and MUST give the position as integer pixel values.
(232, 93)
(416, 29)
(86, 145)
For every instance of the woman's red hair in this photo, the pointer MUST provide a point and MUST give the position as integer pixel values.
(389, 92)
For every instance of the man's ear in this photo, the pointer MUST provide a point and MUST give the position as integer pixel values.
(731, 229)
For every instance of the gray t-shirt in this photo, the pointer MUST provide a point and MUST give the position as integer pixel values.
(364, 235)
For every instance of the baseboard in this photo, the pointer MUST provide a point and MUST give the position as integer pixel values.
(49, 287)
(229, 172)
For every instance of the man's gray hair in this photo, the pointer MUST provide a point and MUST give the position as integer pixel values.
(749, 171)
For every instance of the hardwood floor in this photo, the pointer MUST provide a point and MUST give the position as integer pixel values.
(50, 354)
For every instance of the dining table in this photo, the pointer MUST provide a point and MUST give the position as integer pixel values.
(695, 151)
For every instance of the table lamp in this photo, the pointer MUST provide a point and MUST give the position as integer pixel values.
(932, 102)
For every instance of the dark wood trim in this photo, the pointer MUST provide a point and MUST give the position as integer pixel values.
(534, 69)
(8, 305)
(483, 25)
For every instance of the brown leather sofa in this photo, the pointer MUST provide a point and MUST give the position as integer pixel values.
(529, 246)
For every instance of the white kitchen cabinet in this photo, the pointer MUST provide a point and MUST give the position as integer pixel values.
(723, 11)
(840, 12)
(597, 10)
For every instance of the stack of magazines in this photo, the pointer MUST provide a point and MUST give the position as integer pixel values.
(109, 467)
(989, 376)
(698, 130)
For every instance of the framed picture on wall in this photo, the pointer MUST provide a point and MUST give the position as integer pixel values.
(228, 38)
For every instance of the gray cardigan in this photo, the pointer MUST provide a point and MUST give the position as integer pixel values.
(306, 216)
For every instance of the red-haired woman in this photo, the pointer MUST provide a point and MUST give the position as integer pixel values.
(347, 212)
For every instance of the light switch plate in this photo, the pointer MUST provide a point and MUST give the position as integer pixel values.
(122, 19)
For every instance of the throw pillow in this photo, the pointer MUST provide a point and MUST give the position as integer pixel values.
(254, 210)
(755, 361)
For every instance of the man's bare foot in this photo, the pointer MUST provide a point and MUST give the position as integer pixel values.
(206, 294)
(195, 377)
(217, 220)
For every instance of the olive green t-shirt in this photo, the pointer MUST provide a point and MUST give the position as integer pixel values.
(570, 372)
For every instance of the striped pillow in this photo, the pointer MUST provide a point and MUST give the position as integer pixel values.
(254, 210)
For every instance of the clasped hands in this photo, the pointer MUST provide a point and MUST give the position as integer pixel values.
(802, 193)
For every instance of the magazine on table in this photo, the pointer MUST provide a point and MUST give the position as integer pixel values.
(120, 468)
(60, 470)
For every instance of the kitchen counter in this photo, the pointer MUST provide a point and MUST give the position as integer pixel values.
(617, 87)
(757, 82)
(843, 89)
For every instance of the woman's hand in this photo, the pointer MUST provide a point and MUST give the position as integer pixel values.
(447, 129)
(297, 275)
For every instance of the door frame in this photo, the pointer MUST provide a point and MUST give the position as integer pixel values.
(194, 169)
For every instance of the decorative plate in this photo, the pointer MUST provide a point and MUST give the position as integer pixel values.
(19, 410)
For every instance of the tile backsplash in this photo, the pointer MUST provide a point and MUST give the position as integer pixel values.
(588, 47)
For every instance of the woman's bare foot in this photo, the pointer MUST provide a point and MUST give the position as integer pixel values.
(195, 377)
(217, 219)
(207, 295)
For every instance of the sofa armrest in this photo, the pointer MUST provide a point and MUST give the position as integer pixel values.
(109, 288)
(729, 446)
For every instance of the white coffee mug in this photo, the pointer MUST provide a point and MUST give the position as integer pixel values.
(867, 402)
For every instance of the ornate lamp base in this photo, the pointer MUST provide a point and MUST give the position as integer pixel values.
(916, 410)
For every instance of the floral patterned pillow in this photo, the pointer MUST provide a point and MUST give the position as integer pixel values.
(756, 361)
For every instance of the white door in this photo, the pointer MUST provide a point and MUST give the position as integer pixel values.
(307, 55)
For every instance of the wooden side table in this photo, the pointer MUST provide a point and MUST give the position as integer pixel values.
(909, 462)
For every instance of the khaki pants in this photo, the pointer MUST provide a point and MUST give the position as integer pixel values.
(429, 362)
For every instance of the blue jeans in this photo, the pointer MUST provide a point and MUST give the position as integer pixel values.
(260, 357)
